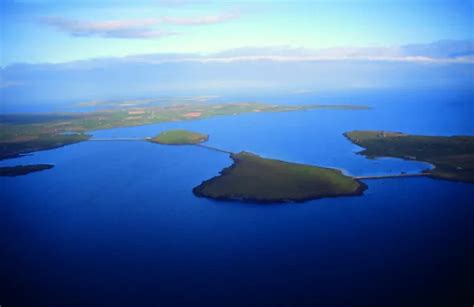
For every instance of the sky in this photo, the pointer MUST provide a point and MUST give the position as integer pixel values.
(62, 52)
(43, 31)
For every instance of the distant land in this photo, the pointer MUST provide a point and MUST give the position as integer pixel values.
(19, 170)
(452, 156)
(144, 102)
(15, 145)
(23, 133)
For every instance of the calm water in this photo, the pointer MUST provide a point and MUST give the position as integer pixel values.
(116, 223)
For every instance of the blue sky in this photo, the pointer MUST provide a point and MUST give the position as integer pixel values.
(36, 31)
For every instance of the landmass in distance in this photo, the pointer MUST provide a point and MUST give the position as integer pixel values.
(451, 156)
(26, 133)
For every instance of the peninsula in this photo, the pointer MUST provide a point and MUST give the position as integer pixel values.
(19, 170)
(452, 157)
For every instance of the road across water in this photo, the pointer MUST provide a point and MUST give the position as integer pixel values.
(117, 139)
(391, 176)
(230, 152)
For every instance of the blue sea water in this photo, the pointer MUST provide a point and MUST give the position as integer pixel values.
(116, 223)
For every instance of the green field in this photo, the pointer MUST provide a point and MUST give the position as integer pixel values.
(25, 133)
(452, 157)
(19, 170)
(255, 179)
(179, 137)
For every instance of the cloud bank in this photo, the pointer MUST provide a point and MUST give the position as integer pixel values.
(107, 29)
(440, 65)
(446, 51)
(136, 28)
(173, 3)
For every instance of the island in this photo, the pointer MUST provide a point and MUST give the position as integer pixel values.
(23, 133)
(179, 137)
(252, 178)
(19, 170)
(255, 179)
(451, 156)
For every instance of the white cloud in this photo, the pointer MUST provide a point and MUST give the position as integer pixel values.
(447, 51)
(135, 28)
(201, 20)
(179, 2)
(454, 52)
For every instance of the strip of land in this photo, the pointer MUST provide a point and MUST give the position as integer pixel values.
(25, 133)
(17, 144)
(19, 170)
(452, 157)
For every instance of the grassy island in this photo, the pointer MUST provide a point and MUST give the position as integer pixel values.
(255, 179)
(452, 157)
(20, 170)
(179, 137)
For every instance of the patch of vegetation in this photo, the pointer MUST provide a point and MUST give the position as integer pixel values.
(20, 170)
(255, 179)
(179, 137)
(452, 157)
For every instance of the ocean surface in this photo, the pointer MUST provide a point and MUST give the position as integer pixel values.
(116, 223)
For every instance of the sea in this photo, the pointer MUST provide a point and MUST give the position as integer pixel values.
(116, 223)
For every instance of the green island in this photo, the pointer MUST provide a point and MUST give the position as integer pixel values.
(255, 179)
(19, 170)
(25, 133)
(179, 137)
(452, 157)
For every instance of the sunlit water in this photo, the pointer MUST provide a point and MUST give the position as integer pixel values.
(116, 223)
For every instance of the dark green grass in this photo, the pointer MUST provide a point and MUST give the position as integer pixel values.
(255, 179)
(452, 157)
